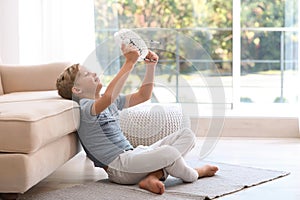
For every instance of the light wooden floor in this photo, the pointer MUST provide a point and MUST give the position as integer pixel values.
(277, 154)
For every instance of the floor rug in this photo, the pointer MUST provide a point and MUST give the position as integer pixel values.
(229, 179)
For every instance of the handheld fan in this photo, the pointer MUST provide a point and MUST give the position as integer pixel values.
(126, 36)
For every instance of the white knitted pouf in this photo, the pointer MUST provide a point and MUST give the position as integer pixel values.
(147, 123)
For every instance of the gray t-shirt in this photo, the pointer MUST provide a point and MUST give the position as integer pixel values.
(101, 135)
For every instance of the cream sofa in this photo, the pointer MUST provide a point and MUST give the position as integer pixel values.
(37, 127)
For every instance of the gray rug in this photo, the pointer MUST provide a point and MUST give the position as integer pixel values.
(229, 179)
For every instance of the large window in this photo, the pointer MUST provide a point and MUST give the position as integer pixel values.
(200, 51)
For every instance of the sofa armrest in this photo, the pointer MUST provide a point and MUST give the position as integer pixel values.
(1, 88)
(18, 78)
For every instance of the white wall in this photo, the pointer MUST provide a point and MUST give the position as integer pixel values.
(9, 31)
(41, 31)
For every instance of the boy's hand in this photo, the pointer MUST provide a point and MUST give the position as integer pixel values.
(130, 52)
(151, 58)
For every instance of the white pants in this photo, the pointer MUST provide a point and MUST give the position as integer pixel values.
(167, 154)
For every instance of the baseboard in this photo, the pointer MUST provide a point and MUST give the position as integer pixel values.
(275, 127)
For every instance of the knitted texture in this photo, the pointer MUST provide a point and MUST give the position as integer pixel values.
(148, 123)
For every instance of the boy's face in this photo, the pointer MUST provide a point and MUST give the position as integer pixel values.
(87, 82)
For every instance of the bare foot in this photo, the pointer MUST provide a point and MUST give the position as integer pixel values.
(206, 171)
(152, 184)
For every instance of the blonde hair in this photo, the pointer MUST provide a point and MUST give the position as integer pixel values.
(65, 81)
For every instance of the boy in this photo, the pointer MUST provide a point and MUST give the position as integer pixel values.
(103, 140)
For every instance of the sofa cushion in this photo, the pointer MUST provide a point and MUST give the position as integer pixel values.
(29, 121)
(19, 78)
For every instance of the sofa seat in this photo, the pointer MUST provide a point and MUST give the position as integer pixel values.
(25, 119)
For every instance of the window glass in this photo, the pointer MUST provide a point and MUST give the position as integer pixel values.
(194, 41)
(269, 47)
(269, 51)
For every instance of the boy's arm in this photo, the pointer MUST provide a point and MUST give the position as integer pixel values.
(115, 86)
(145, 91)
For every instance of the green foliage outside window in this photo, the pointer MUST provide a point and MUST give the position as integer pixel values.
(208, 22)
(266, 45)
(184, 16)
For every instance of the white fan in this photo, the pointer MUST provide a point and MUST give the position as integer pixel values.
(126, 36)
